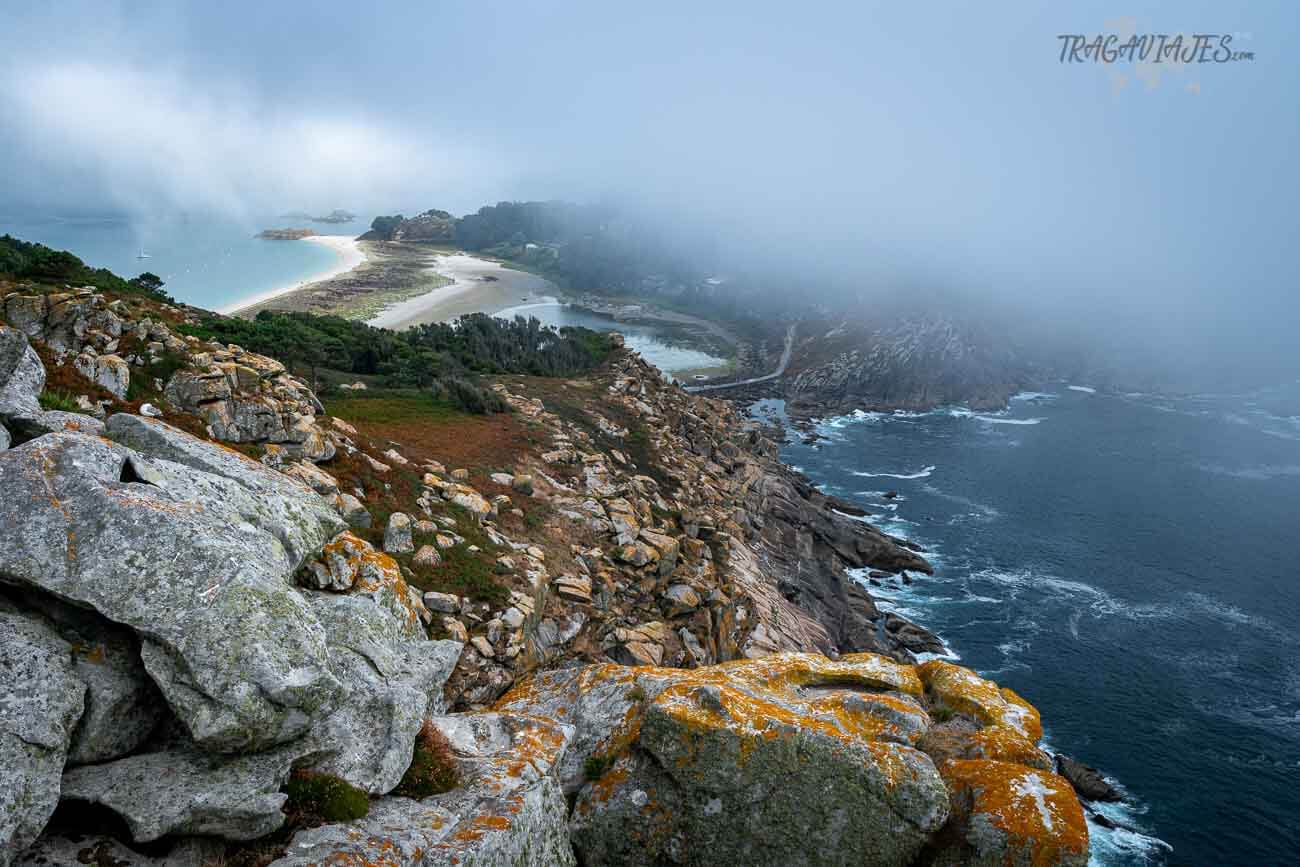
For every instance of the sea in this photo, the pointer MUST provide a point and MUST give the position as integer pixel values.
(1130, 564)
(207, 261)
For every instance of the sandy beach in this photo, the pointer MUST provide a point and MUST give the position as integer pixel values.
(350, 256)
(478, 286)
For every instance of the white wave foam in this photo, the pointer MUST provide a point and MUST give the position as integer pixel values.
(1034, 395)
(1122, 845)
(995, 420)
(923, 474)
(1086, 389)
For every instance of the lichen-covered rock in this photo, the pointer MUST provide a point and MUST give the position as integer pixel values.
(122, 705)
(262, 497)
(393, 681)
(1008, 726)
(110, 372)
(350, 564)
(718, 760)
(4, 438)
(353, 511)
(397, 535)
(1005, 813)
(792, 759)
(41, 699)
(22, 376)
(183, 790)
(508, 808)
(199, 565)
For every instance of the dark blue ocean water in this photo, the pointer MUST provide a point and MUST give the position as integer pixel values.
(1131, 565)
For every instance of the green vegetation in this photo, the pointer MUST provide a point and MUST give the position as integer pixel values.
(59, 400)
(433, 766)
(596, 766)
(465, 574)
(26, 261)
(316, 798)
(161, 368)
(441, 357)
(391, 406)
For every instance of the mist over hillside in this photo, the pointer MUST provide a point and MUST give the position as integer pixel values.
(824, 157)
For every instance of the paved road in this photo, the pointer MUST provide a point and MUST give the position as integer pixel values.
(780, 369)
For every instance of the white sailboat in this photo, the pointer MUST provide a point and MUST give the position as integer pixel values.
(143, 254)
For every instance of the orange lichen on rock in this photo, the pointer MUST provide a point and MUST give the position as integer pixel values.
(350, 563)
(1033, 814)
(1010, 726)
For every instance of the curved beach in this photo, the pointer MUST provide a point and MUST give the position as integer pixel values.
(350, 256)
(478, 286)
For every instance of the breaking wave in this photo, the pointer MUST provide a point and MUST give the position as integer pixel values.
(922, 474)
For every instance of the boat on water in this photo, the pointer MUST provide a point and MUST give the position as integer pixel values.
(143, 254)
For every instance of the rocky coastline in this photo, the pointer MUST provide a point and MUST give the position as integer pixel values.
(608, 635)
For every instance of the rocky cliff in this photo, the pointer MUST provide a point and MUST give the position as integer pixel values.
(214, 597)
(913, 363)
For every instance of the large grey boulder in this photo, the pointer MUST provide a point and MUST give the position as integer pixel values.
(394, 682)
(788, 759)
(183, 790)
(508, 808)
(29, 427)
(22, 376)
(123, 707)
(40, 702)
(190, 561)
(274, 503)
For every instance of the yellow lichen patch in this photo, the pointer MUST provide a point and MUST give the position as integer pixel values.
(373, 572)
(754, 719)
(1000, 744)
(967, 693)
(1036, 810)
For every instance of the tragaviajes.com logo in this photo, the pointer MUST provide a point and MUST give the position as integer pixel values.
(1151, 56)
(1150, 47)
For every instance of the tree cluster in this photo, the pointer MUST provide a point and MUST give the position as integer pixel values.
(23, 260)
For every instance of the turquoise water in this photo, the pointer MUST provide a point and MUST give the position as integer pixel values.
(204, 261)
(654, 345)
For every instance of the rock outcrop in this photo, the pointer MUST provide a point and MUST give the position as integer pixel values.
(194, 562)
(795, 758)
(675, 620)
(41, 700)
(508, 808)
(915, 363)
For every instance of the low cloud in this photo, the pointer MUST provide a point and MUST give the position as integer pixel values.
(150, 140)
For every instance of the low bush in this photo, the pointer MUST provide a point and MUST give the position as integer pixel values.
(433, 766)
(316, 798)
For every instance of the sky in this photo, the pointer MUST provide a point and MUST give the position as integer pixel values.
(874, 146)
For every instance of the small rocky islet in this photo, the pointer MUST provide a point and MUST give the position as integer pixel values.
(214, 596)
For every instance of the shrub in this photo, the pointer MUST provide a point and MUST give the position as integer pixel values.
(316, 798)
(596, 765)
(59, 400)
(433, 766)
